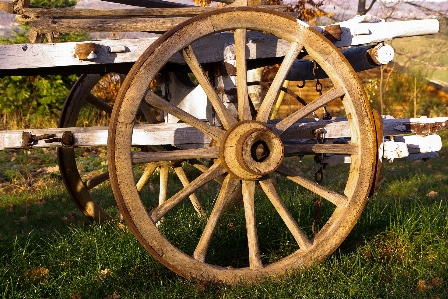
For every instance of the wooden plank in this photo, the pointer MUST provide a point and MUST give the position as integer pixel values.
(355, 32)
(176, 134)
(111, 53)
(183, 135)
(339, 128)
(35, 13)
(352, 31)
(209, 49)
(35, 56)
(32, 14)
(422, 125)
(149, 3)
(156, 25)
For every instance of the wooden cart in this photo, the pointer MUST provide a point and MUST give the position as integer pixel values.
(213, 113)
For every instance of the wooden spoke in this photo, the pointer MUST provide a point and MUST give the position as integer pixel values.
(203, 168)
(241, 75)
(271, 95)
(101, 105)
(149, 170)
(309, 149)
(248, 188)
(194, 200)
(96, 180)
(226, 190)
(163, 190)
(298, 234)
(156, 101)
(148, 113)
(223, 113)
(176, 155)
(324, 99)
(214, 171)
(333, 197)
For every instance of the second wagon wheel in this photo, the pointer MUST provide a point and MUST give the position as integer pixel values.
(78, 100)
(81, 181)
(269, 234)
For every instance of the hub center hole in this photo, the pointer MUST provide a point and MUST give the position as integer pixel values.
(260, 151)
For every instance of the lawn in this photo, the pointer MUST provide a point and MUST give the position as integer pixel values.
(48, 249)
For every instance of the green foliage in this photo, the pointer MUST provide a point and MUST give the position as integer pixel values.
(19, 36)
(33, 95)
(433, 107)
(54, 3)
(399, 92)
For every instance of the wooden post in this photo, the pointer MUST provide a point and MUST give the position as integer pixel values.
(415, 97)
(381, 90)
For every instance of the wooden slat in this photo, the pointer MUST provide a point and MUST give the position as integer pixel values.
(102, 13)
(20, 58)
(157, 25)
(149, 3)
(354, 32)
(183, 135)
(294, 149)
(31, 14)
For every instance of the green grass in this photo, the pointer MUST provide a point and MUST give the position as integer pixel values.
(398, 249)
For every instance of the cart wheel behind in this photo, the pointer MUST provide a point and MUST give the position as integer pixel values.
(78, 180)
(83, 181)
(288, 218)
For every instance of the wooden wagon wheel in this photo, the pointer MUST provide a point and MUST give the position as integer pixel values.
(79, 183)
(79, 187)
(247, 151)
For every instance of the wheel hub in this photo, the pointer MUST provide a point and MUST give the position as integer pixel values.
(250, 150)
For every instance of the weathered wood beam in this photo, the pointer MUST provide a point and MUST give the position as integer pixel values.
(352, 32)
(209, 49)
(21, 58)
(33, 14)
(150, 3)
(44, 58)
(40, 56)
(183, 135)
(152, 24)
(339, 128)
(74, 13)
(360, 58)
(174, 134)
(154, 3)
(358, 31)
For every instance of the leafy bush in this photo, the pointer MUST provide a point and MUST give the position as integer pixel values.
(398, 93)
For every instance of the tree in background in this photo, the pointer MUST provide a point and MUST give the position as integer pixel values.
(363, 8)
(387, 9)
(309, 10)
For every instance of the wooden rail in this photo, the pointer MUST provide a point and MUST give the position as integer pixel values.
(181, 134)
(118, 56)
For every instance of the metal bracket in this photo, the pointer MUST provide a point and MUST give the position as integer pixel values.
(28, 139)
(425, 129)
